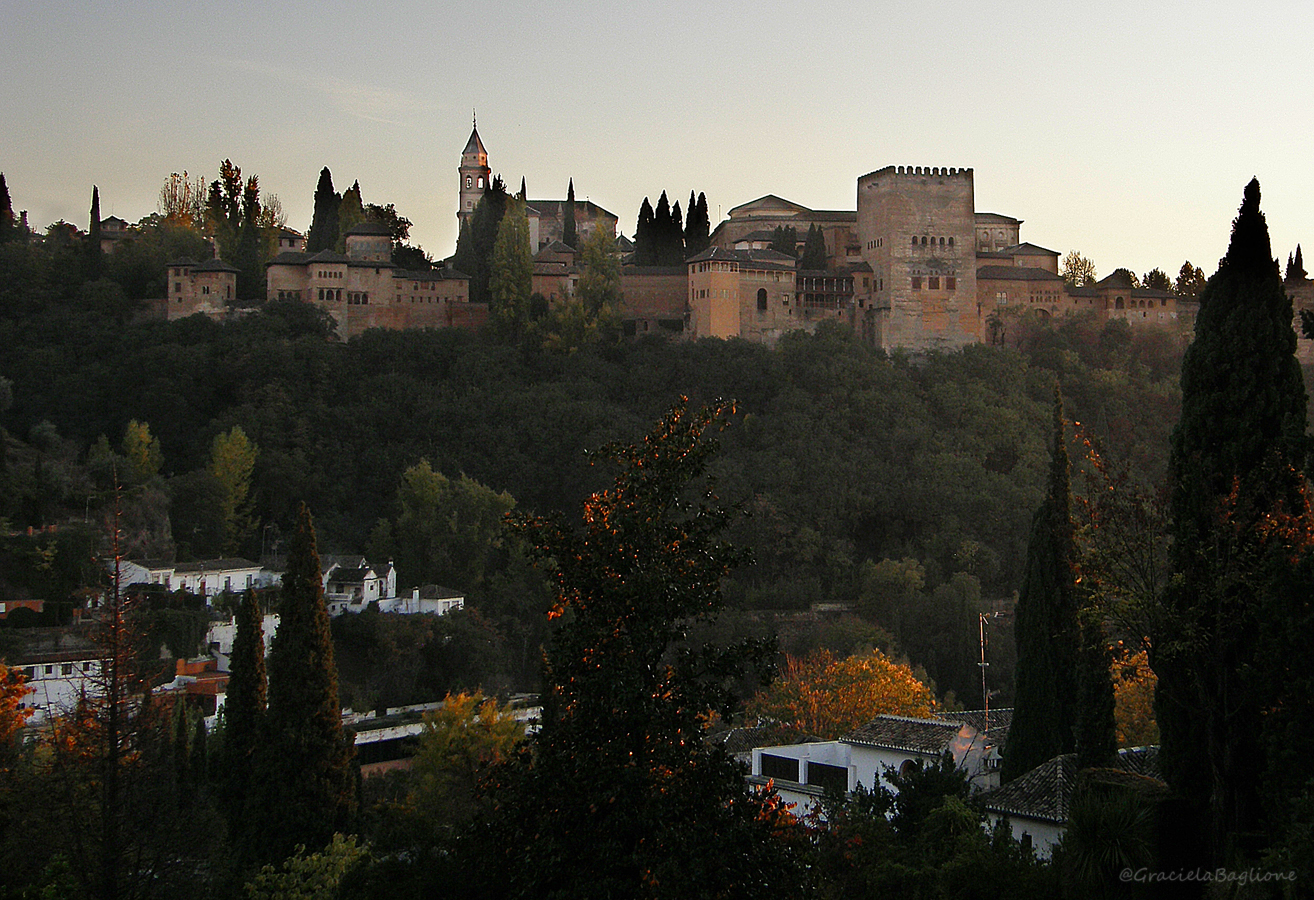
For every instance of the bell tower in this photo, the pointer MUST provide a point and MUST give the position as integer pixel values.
(474, 174)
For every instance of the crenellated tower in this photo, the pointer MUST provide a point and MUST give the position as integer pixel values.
(474, 174)
(916, 227)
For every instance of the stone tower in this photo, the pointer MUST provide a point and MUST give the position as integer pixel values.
(917, 230)
(474, 175)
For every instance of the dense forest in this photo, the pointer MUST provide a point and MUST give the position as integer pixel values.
(897, 486)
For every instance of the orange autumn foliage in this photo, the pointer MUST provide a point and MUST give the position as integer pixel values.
(827, 697)
(1133, 692)
(12, 689)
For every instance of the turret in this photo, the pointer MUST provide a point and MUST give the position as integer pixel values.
(474, 174)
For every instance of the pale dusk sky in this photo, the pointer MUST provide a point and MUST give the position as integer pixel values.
(1126, 130)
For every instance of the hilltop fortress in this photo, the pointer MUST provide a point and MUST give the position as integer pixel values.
(914, 265)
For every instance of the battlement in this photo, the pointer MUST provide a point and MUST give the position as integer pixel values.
(917, 172)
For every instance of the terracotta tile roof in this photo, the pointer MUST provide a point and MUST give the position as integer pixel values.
(1015, 273)
(1000, 720)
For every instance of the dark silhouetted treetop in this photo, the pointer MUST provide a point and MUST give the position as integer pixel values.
(814, 250)
(323, 233)
(568, 216)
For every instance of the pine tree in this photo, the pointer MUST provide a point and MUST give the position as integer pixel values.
(1046, 625)
(95, 258)
(1235, 463)
(306, 778)
(620, 796)
(323, 234)
(568, 216)
(814, 250)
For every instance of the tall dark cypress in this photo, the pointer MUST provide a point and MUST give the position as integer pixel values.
(1046, 625)
(1236, 459)
(675, 238)
(244, 709)
(323, 234)
(568, 216)
(1095, 730)
(306, 761)
(7, 228)
(95, 259)
(644, 237)
(696, 226)
(661, 231)
(814, 250)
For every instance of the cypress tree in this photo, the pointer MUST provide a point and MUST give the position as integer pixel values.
(696, 228)
(1235, 461)
(675, 238)
(7, 227)
(661, 231)
(568, 216)
(1096, 730)
(484, 225)
(305, 772)
(1046, 625)
(814, 250)
(95, 259)
(644, 237)
(323, 234)
(244, 709)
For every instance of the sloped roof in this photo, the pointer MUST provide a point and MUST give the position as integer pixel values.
(761, 258)
(1000, 720)
(474, 145)
(353, 576)
(1045, 793)
(214, 565)
(213, 265)
(1015, 273)
(370, 228)
(986, 218)
(327, 256)
(587, 208)
(1026, 248)
(929, 736)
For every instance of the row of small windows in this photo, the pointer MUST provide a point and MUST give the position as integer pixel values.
(325, 273)
(878, 242)
(933, 283)
(469, 181)
(357, 298)
(331, 295)
(289, 295)
(930, 242)
(34, 672)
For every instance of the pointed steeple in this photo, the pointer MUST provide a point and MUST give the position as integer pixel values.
(474, 174)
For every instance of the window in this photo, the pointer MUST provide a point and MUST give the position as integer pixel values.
(761, 299)
(951, 242)
(917, 282)
(923, 240)
(779, 767)
(481, 182)
(933, 282)
(950, 282)
(468, 182)
(66, 669)
(828, 777)
(914, 243)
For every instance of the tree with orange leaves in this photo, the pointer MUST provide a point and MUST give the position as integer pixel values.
(12, 715)
(826, 697)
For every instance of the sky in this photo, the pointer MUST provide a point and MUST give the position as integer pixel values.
(1124, 130)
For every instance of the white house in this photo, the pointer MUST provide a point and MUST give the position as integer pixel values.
(802, 773)
(204, 578)
(57, 680)
(350, 585)
(429, 599)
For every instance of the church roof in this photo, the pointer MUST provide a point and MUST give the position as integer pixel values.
(587, 208)
(474, 145)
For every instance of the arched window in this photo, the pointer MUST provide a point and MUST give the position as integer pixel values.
(761, 299)
(941, 242)
(923, 240)
(907, 767)
(914, 243)
(468, 181)
(481, 182)
(1117, 304)
(951, 242)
